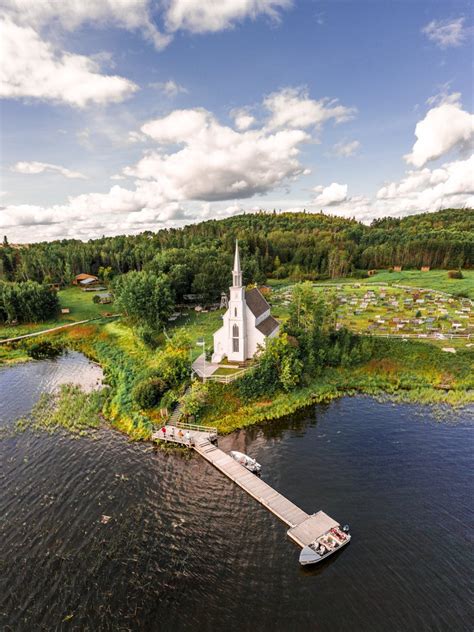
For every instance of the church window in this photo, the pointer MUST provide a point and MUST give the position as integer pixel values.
(235, 312)
(235, 339)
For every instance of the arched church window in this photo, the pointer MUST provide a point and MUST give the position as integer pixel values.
(235, 312)
(235, 338)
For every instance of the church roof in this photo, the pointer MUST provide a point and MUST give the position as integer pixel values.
(256, 303)
(268, 325)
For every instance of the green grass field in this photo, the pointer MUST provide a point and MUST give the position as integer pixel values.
(434, 280)
(81, 305)
(81, 308)
(198, 326)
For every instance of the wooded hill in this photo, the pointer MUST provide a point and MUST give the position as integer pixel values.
(198, 257)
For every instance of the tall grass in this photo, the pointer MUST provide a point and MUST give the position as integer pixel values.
(69, 408)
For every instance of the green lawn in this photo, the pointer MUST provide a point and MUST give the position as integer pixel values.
(198, 326)
(81, 305)
(81, 308)
(434, 280)
(226, 371)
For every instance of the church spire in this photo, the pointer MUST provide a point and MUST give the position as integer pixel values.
(236, 272)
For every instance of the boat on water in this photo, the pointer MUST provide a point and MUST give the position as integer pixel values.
(325, 545)
(246, 461)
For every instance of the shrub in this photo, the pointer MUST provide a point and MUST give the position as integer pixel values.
(96, 299)
(196, 398)
(148, 393)
(170, 399)
(173, 362)
(455, 274)
(148, 336)
(43, 349)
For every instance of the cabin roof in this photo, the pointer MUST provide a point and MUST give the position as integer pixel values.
(83, 276)
(256, 303)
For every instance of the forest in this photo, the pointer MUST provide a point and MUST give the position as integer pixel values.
(299, 246)
(27, 302)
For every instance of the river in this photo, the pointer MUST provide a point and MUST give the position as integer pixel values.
(186, 549)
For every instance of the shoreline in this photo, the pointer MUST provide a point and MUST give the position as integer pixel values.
(252, 414)
(388, 378)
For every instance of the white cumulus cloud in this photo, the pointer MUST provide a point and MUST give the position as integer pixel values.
(196, 159)
(331, 195)
(32, 68)
(70, 15)
(196, 16)
(170, 88)
(204, 16)
(242, 118)
(345, 149)
(217, 162)
(452, 184)
(446, 33)
(34, 167)
(292, 107)
(178, 126)
(444, 128)
(422, 190)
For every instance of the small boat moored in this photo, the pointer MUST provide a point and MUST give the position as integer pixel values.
(325, 545)
(246, 461)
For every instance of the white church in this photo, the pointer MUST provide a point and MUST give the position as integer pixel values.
(247, 323)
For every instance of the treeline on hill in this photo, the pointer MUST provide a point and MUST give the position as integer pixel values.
(196, 259)
(27, 302)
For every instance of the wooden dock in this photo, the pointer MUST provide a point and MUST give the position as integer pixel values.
(303, 528)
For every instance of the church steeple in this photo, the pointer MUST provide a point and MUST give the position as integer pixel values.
(236, 272)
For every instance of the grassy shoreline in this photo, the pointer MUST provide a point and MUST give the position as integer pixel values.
(414, 371)
(421, 374)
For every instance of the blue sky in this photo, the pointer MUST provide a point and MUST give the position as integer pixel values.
(119, 117)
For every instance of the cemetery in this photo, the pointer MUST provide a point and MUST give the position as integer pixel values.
(404, 312)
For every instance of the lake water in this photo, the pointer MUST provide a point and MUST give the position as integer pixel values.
(186, 549)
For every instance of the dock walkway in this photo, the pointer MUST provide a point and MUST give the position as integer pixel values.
(303, 528)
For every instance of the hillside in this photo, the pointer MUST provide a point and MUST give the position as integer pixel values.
(274, 245)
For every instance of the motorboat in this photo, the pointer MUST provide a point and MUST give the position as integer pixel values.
(325, 545)
(246, 461)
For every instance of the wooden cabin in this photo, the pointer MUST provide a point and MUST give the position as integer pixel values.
(84, 279)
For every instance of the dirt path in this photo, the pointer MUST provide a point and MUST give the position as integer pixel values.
(47, 331)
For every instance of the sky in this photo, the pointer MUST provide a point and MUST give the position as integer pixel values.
(121, 116)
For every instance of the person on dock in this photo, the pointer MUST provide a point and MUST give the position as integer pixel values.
(163, 430)
(180, 435)
(172, 432)
(187, 436)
